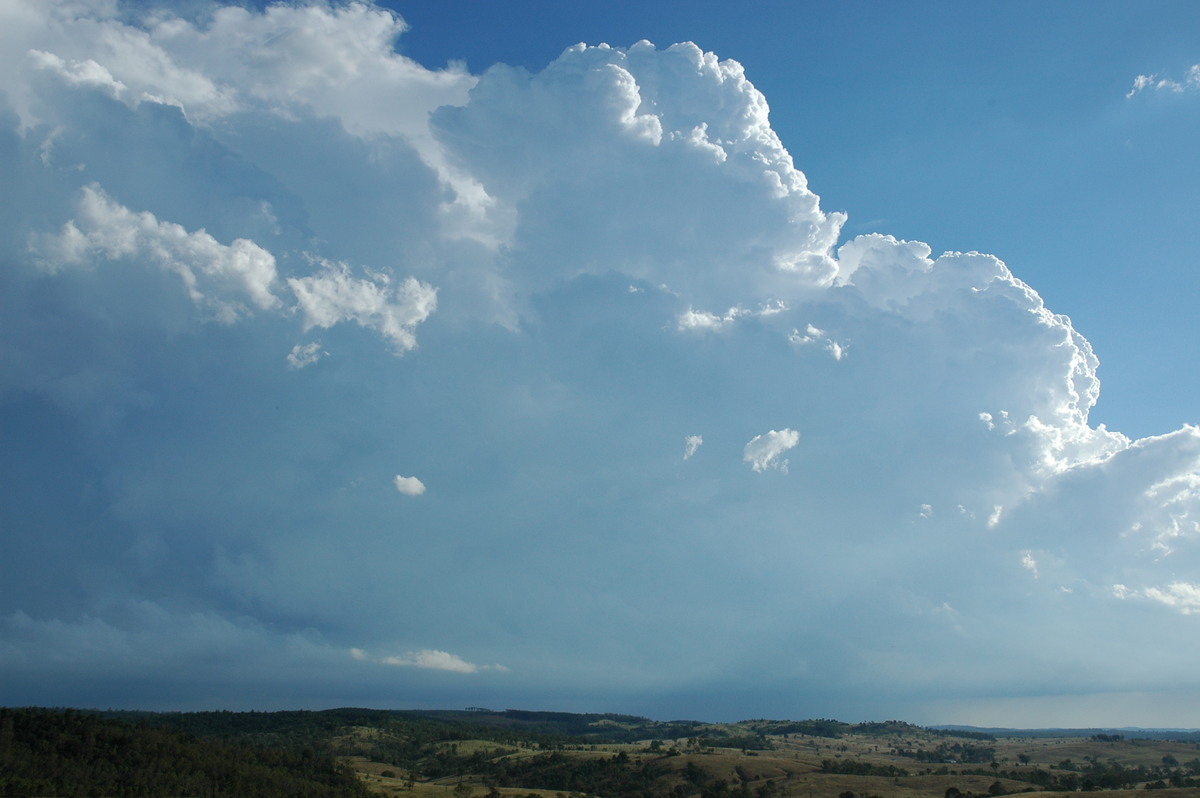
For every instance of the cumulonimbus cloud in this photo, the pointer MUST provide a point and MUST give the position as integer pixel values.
(547, 400)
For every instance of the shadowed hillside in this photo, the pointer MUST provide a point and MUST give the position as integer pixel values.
(487, 754)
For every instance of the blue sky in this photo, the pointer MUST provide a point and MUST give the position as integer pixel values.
(411, 355)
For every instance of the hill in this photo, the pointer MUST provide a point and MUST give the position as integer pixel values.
(524, 754)
(70, 753)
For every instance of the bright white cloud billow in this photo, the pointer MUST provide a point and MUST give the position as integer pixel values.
(764, 451)
(214, 274)
(333, 295)
(409, 486)
(597, 259)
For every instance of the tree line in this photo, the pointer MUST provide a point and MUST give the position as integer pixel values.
(73, 753)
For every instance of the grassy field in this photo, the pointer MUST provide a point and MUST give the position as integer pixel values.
(867, 765)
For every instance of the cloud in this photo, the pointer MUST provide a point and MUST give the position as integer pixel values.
(745, 227)
(215, 275)
(814, 335)
(305, 354)
(79, 73)
(429, 659)
(1190, 82)
(164, 478)
(1184, 597)
(409, 486)
(219, 277)
(333, 295)
(693, 319)
(763, 451)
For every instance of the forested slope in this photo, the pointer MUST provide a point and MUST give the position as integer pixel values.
(72, 753)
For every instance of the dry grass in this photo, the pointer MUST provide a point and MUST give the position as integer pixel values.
(794, 766)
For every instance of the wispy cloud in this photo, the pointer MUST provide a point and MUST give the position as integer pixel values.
(1183, 597)
(1190, 82)
(813, 335)
(427, 659)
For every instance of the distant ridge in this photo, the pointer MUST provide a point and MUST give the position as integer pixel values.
(1187, 735)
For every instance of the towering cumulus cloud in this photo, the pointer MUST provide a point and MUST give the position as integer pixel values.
(251, 261)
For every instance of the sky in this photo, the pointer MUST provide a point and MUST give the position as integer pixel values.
(682, 360)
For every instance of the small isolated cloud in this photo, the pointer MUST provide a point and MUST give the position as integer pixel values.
(305, 355)
(691, 444)
(1190, 82)
(926, 511)
(428, 659)
(1029, 563)
(763, 451)
(409, 486)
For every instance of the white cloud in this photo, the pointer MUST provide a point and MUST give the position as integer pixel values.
(305, 354)
(763, 451)
(692, 319)
(537, 201)
(80, 73)
(734, 228)
(1183, 597)
(215, 275)
(221, 277)
(428, 659)
(409, 486)
(334, 296)
(1190, 82)
(815, 335)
